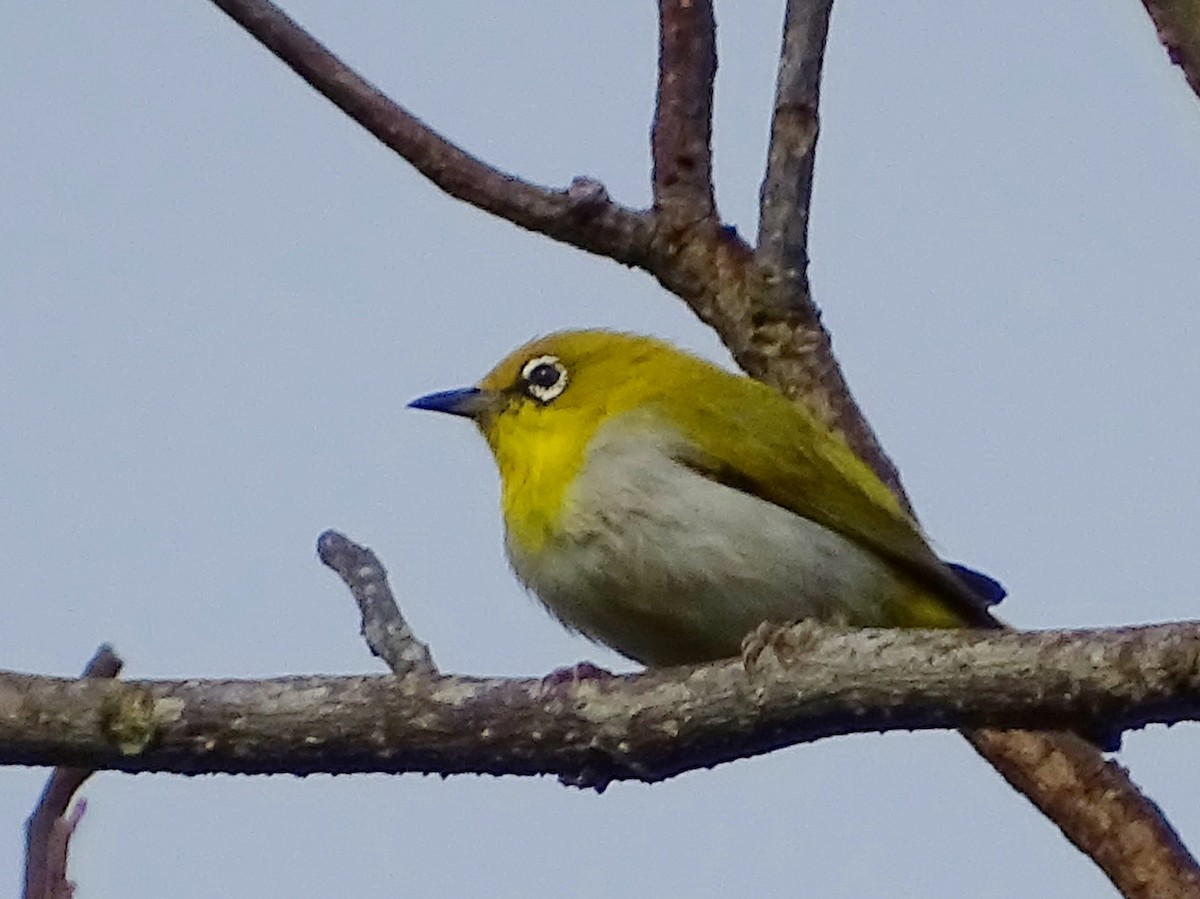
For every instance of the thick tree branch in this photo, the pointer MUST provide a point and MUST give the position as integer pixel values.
(596, 224)
(1178, 25)
(682, 135)
(48, 830)
(1097, 808)
(795, 686)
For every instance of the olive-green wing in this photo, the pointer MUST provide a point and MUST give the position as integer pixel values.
(778, 452)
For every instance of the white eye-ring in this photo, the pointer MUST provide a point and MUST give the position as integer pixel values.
(544, 378)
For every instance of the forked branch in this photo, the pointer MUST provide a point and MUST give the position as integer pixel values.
(759, 303)
(595, 223)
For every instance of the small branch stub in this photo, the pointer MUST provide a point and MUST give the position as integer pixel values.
(50, 827)
(383, 626)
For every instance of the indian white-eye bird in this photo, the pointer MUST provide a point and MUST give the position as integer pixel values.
(665, 507)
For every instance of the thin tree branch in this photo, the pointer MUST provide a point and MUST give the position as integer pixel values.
(795, 686)
(682, 134)
(598, 227)
(1178, 25)
(806, 365)
(786, 192)
(385, 629)
(48, 830)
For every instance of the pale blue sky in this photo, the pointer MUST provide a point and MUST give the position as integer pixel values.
(216, 296)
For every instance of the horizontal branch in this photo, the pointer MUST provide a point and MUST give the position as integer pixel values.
(800, 685)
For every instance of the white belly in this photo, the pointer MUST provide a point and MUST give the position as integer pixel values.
(667, 566)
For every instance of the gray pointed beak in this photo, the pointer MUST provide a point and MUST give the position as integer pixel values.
(469, 402)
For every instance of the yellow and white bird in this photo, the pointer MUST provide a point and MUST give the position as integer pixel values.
(665, 507)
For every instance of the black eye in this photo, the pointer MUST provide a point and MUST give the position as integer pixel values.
(544, 375)
(544, 378)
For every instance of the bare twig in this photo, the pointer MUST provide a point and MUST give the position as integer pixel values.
(49, 828)
(383, 626)
(799, 685)
(681, 142)
(787, 188)
(604, 228)
(782, 252)
(1178, 25)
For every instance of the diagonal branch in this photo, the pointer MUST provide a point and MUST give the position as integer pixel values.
(1095, 804)
(1097, 808)
(1178, 26)
(772, 335)
(385, 629)
(593, 223)
(682, 134)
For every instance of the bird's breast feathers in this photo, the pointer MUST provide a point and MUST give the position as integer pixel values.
(665, 565)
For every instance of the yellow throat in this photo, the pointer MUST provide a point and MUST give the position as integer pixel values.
(540, 448)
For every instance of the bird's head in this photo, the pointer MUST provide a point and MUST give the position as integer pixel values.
(541, 407)
(561, 388)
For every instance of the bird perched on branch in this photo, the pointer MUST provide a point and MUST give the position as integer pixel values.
(666, 508)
